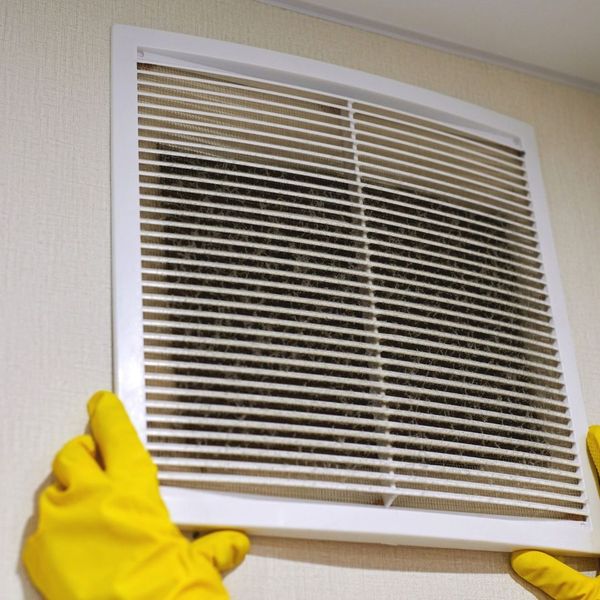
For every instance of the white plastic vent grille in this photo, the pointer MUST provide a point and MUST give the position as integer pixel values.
(343, 302)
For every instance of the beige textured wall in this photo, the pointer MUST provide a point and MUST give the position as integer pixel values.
(55, 257)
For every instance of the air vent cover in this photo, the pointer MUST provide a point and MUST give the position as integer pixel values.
(342, 302)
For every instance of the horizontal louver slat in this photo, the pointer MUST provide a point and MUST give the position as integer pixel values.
(411, 408)
(325, 419)
(292, 435)
(220, 444)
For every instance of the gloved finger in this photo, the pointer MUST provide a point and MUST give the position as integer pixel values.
(552, 576)
(32, 560)
(593, 444)
(119, 444)
(225, 549)
(76, 461)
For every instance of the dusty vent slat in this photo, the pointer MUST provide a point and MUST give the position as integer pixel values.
(189, 112)
(226, 306)
(406, 239)
(444, 271)
(519, 219)
(381, 145)
(431, 476)
(267, 155)
(387, 458)
(293, 382)
(400, 122)
(388, 421)
(428, 411)
(344, 302)
(394, 177)
(293, 95)
(420, 326)
(218, 296)
(159, 130)
(544, 422)
(303, 437)
(154, 161)
(306, 222)
(413, 244)
(460, 370)
(265, 226)
(412, 288)
(330, 203)
(480, 215)
(173, 324)
(404, 203)
(419, 170)
(430, 423)
(543, 411)
(525, 313)
(392, 490)
(278, 240)
(174, 466)
(278, 334)
(387, 141)
(245, 181)
(325, 465)
(158, 87)
(172, 242)
(409, 335)
(386, 328)
(445, 352)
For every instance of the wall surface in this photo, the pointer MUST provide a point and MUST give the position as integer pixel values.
(55, 258)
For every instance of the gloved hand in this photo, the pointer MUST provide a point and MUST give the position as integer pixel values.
(550, 575)
(104, 532)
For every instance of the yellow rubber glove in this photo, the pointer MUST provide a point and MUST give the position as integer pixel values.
(104, 532)
(549, 574)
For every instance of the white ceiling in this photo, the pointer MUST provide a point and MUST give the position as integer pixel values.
(554, 39)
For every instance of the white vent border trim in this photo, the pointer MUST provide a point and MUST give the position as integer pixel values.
(290, 517)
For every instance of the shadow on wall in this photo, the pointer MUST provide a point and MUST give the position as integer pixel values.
(403, 559)
(394, 558)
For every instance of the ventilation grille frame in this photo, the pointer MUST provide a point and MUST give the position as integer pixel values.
(308, 518)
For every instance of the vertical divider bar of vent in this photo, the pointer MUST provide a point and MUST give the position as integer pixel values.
(388, 499)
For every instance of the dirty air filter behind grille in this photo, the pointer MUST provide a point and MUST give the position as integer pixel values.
(344, 303)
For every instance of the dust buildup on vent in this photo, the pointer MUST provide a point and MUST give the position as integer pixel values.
(344, 303)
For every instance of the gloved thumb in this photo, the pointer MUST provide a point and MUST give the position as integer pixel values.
(224, 549)
(553, 577)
